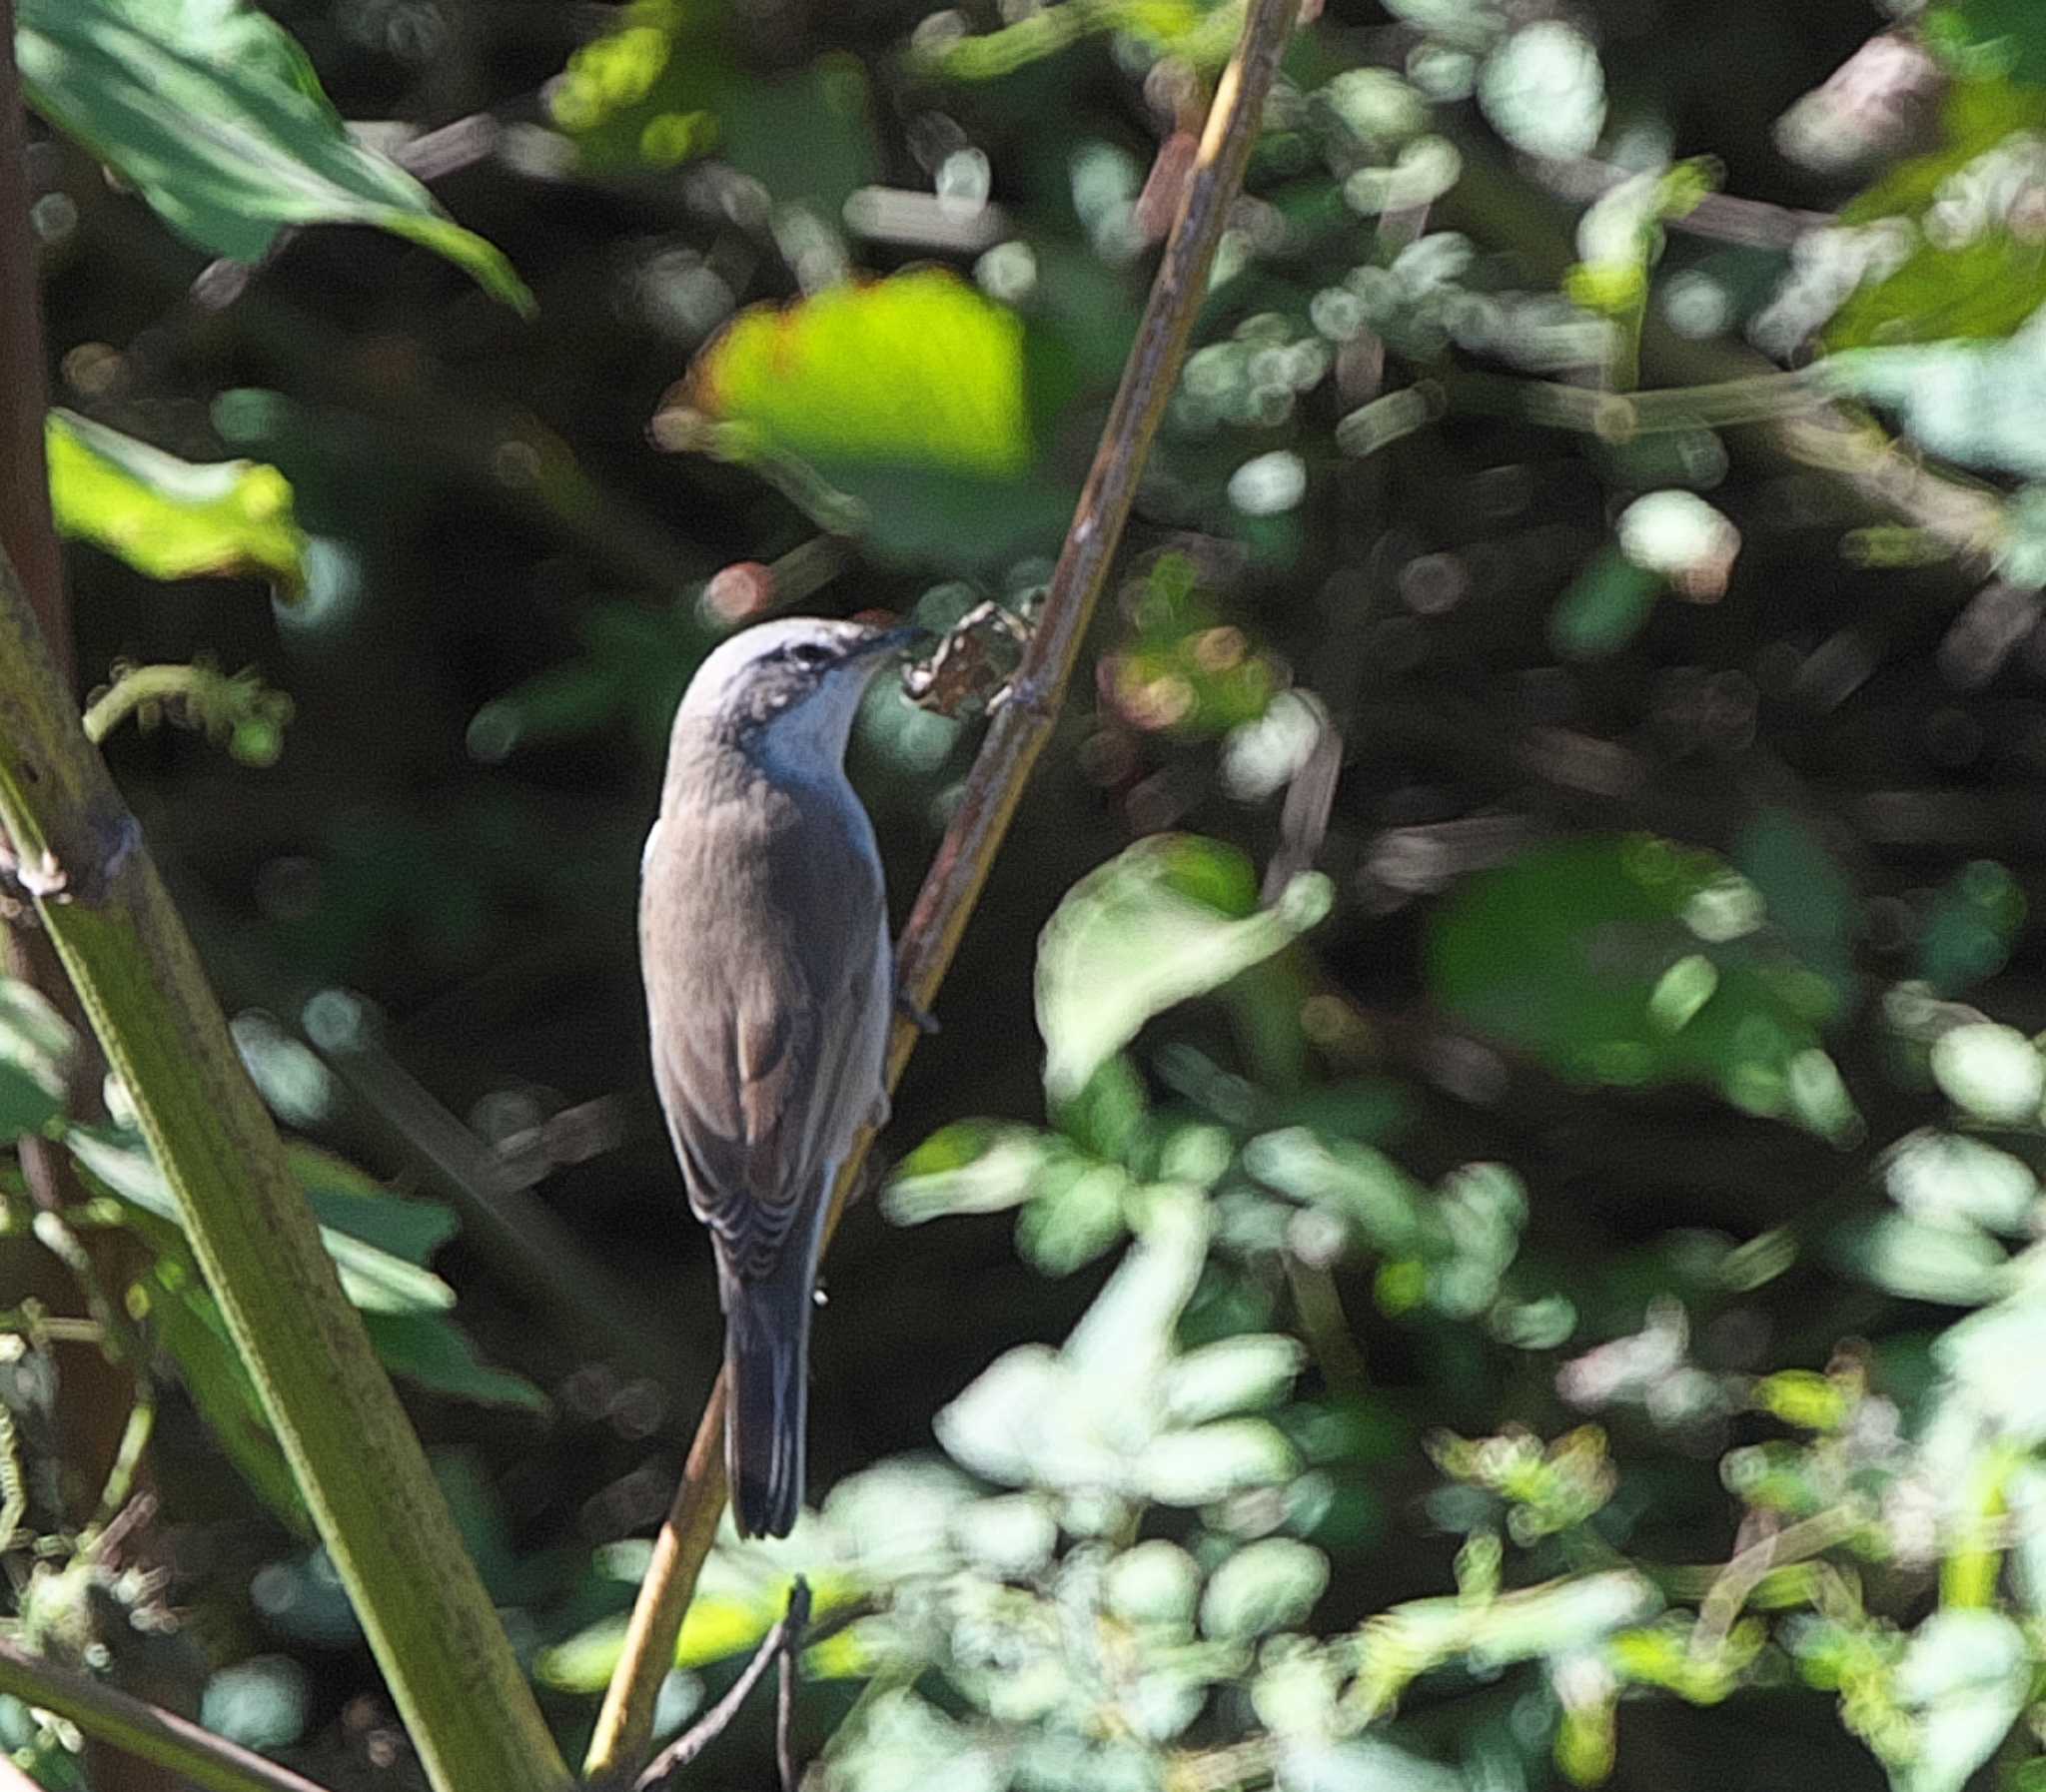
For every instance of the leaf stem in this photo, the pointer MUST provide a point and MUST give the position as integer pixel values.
(1015, 738)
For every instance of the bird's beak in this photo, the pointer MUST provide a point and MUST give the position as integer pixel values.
(895, 641)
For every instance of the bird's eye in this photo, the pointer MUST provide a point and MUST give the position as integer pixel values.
(809, 653)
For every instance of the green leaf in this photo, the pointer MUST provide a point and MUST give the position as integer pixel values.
(1212, 1461)
(919, 370)
(36, 1044)
(1923, 1261)
(214, 114)
(1995, 1072)
(1154, 1582)
(186, 1323)
(375, 1280)
(433, 1352)
(915, 396)
(1605, 606)
(1966, 1674)
(1268, 1585)
(1974, 276)
(1637, 961)
(1236, 1375)
(1170, 919)
(1949, 1179)
(2008, 36)
(970, 1167)
(670, 81)
(1970, 927)
(168, 517)
(1075, 1220)
(349, 1202)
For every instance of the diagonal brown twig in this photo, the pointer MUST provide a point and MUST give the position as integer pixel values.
(781, 1644)
(1016, 736)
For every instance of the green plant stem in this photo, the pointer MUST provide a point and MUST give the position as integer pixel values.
(137, 1728)
(448, 1664)
(1016, 736)
(77, 851)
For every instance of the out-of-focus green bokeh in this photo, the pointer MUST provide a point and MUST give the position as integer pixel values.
(1473, 1222)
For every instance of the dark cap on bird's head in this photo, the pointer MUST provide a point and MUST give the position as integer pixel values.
(796, 675)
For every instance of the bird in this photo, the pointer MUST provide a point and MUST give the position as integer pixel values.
(771, 989)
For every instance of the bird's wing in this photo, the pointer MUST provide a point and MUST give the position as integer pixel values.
(770, 1008)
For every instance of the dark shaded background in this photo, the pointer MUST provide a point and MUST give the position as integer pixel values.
(484, 905)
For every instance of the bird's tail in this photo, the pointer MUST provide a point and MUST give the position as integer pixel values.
(767, 1369)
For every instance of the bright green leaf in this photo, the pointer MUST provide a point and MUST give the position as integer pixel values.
(1979, 274)
(915, 394)
(1268, 1585)
(1170, 919)
(1154, 1582)
(1213, 1461)
(1922, 1261)
(1995, 1072)
(214, 114)
(1235, 1375)
(1076, 1218)
(168, 517)
(970, 1167)
(1967, 1674)
(919, 370)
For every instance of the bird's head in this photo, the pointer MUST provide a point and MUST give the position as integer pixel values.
(791, 687)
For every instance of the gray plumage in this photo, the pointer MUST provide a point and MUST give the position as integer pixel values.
(763, 940)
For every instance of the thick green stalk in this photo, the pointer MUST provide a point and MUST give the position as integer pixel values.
(380, 1514)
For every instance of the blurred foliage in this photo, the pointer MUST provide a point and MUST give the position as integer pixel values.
(218, 118)
(1507, 1028)
(166, 517)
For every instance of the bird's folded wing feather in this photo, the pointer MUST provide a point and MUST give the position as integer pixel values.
(761, 1028)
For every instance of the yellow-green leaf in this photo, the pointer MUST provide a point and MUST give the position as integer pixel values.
(919, 369)
(168, 517)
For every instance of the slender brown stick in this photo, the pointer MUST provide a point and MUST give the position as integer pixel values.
(777, 1646)
(1016, 737)
(196, 1756)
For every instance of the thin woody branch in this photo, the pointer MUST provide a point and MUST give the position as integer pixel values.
(1016, 736)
